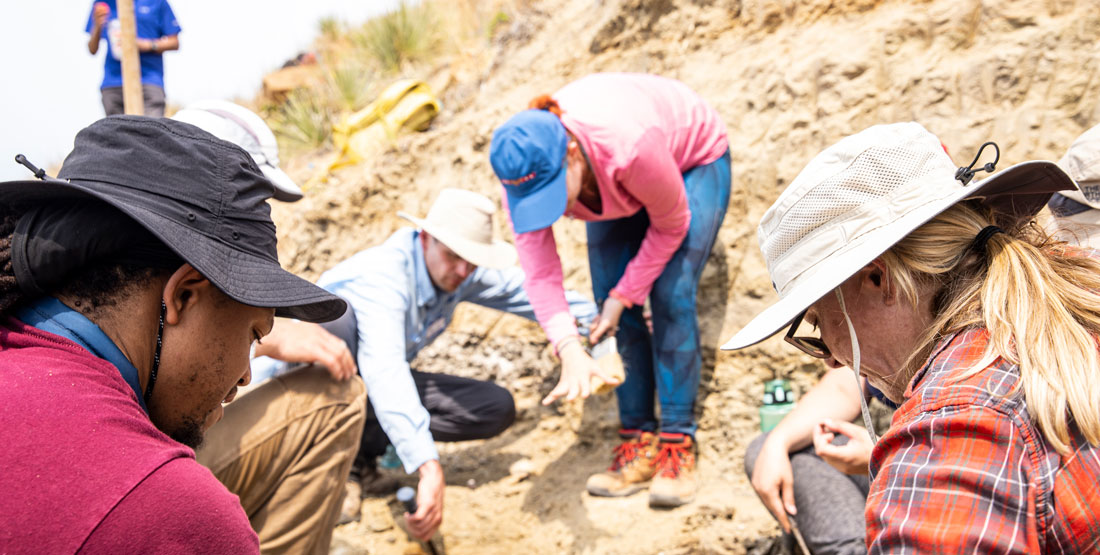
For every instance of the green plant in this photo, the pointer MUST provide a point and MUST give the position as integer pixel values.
(406, 34)
(330, 27)
(302, 122)
(498, 20)
(348, 85)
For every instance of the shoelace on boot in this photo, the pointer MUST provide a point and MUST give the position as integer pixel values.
(671, 457)
(627, 452)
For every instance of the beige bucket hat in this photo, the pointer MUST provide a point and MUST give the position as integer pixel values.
(463, 220)
(1078, 212)
(859, 197)
(1082, 163)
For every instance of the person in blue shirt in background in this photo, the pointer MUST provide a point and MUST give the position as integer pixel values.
(402, 295)
(157, 32)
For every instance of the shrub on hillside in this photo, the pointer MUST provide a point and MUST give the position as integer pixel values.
(302, 122)
(406, 34)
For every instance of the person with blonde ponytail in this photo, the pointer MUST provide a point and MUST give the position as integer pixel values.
(947, 296)
(645, 161)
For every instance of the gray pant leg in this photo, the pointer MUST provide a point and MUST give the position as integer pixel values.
(154, 100)
(112, 100)
(830, 503)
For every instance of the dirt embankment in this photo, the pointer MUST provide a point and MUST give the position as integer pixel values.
(789, 78)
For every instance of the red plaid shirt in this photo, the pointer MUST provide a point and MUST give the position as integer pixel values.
(963, 469)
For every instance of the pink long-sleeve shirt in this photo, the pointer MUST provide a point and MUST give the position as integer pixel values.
(641, 133)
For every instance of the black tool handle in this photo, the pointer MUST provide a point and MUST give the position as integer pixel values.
(407, 497)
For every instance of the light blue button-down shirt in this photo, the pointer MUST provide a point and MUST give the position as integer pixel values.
(399, 312)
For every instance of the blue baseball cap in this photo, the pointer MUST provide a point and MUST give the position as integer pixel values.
(528, 155)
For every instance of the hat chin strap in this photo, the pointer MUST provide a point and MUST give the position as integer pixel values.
(855, 368)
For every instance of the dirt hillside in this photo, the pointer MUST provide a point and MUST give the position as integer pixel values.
(789, 78)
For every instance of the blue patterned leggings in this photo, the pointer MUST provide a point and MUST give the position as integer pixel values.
(666, 364)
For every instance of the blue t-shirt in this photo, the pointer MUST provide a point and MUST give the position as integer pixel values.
(154, 20)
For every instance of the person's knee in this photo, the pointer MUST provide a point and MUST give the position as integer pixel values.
(846, 546)
(752, 452)
(496, 411)
(356, 391)
(675, 309)
(502, 412)
(356, 395)
(315, 387)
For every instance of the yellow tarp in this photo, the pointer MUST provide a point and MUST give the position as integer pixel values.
(407, 105)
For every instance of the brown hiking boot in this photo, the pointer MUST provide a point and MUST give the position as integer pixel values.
(674, 478)
(631, 469)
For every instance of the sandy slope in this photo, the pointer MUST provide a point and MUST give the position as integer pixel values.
(789, 78)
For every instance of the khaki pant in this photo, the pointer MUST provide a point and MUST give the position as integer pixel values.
(285, 448)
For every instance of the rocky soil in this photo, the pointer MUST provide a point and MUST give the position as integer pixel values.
(789, 78)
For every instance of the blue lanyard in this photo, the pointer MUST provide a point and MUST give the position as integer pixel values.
(51, 315)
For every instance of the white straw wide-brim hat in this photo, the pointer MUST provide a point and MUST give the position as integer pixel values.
(242, 127)
(858, 198)
(463, 220)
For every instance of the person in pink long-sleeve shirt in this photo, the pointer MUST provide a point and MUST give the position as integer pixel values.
(645, 161)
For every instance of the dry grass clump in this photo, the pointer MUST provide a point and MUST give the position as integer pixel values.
(407, 34)
(355, 61)
(302, 122)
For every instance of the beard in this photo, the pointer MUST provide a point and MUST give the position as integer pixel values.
(189, 432)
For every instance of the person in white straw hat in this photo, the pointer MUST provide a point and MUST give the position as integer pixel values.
(402, 295)
(242, 127)
(1077, 213)
(949, 299)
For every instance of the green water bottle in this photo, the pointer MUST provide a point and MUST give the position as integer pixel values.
(389, 459)
(778, 401)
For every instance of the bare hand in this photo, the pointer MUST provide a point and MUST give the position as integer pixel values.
(429, 502)
(607, 321)
(294, 341)
(853, 457)
(773, 481)
(101, 12)
(577, 370)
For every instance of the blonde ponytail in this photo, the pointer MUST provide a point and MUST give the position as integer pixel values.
(1038, 299)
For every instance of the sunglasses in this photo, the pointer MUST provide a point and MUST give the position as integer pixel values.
(812, 346)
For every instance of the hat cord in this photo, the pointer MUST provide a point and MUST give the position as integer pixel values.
(966, 173)
(855, 368)
(39, 173)
(156, 355)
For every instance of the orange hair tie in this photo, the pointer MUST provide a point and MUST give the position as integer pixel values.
(545, 102)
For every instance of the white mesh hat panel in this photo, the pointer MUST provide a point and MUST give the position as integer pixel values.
(874, 174)
(840, 184)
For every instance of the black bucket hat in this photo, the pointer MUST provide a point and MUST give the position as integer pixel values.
(205, 198)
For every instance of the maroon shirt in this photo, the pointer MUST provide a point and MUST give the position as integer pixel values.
(82, 468)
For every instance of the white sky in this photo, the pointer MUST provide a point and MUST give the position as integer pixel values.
(50, 85)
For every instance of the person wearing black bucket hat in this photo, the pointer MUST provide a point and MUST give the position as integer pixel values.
(945, 294)
(131, 288)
